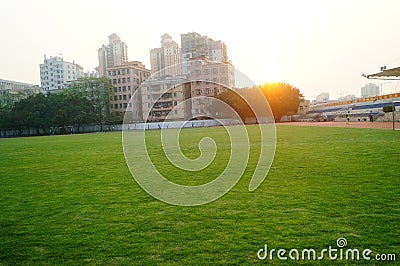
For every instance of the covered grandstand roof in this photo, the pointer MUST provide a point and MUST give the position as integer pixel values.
(393, 73)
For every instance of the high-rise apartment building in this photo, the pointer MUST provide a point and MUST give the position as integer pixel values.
(165, 61)
(125, 79)
(113, 54)
(370, 90)
(194, 45)
(166, 98)
(208, 79)
(55, 73)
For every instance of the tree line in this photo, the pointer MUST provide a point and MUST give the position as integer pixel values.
(283, 98)
(85, 102)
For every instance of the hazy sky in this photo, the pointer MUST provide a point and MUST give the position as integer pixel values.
(316, 46)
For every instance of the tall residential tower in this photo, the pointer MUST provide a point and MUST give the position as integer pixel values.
(165, 61)
(113, 54)
(195, 45)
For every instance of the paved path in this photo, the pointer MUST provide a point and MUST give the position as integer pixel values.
(384, 125)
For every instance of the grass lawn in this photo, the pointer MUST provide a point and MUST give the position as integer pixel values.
(70, 200)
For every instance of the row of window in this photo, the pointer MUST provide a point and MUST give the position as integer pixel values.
(161, 113)
(165, 96)
(57, 71)
(124, 80)
(120, 105)
(207, 71)
(162, 104)
(120, 97)
(121, 89)
(56, 66)
(52, 83)
(121, 72)
(55, 76)
(206, 91)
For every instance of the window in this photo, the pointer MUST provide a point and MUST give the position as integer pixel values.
(123, 80)
(123, 88)
(129, 88)
(128, 79)
(125, 105)
(116, 106)
(128, 71)
(115, 98)
(114, 81)
(119, 80)
(123, 72)
(124, 97)
(120, 97)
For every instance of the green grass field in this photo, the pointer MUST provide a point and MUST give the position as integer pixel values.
(70, 200)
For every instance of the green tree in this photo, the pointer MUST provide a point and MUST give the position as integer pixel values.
(388, 108)
(97, 91)
(283, 98)
(235, 99)
(73, 108)
(6, 105)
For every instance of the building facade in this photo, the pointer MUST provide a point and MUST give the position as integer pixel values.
(113, 54)
(55, 73)
(370, 90)
(304, 107)
(208, 79)
(322, 97)
(349, 97)
(194, 45)
(166, 99)
(126, 79)
(165, 61)
(13, 91)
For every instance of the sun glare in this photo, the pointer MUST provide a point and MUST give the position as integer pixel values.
(269, 73)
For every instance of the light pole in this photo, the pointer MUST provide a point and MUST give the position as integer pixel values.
(382, 86)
